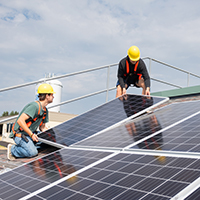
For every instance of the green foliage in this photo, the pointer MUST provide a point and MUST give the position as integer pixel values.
(6, 113)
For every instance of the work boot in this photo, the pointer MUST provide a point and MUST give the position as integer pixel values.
(9, 154)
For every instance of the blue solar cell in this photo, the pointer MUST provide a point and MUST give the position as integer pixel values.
(100, 118)
(100, 174)
(183, 137)
(104, 181)
(38, 174)
(135, 131)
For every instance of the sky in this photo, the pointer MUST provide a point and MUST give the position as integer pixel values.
(66, 36)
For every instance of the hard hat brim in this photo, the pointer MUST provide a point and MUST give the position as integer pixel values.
(134, 59)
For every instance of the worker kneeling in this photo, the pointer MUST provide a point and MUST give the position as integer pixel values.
(33, 115)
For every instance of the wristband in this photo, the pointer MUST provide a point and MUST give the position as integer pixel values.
(31, 135)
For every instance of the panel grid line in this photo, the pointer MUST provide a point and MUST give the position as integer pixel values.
(67, 177)
(100, 119)
(122, 136)
(115, 184)
(116, 172)
(164, 129)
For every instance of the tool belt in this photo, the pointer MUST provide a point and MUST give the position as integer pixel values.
(18, 135)
(23, 136)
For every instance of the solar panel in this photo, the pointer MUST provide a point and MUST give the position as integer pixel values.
(38, 174)
(183, 137)
(127, 176)
(138, 129)
(100, 118)
(109, 173)
(194, 195)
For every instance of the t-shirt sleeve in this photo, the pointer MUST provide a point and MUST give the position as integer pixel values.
(31, 110)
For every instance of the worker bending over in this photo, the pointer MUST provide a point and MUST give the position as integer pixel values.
(132, 71)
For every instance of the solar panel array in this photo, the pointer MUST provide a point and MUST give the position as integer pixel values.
(182, 137)
(128, 176)
(100, 118)
(125, 162)
(38, 174)
(136, 130)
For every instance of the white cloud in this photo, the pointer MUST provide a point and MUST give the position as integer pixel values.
(39, 37)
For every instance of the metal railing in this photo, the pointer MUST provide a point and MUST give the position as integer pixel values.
(108, 88)
(170, 66)
(65, 76)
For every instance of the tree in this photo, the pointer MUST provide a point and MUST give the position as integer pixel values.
(16, 113)
(5, 113)
(12, 113)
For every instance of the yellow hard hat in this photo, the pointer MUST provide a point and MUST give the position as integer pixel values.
(134, 53)
(161, 159)
(45, 89)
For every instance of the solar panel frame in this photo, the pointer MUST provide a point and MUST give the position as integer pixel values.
(182, 181)
(49, 169)
(120, 136)
(50, 135)
(127, 177)
(189, 193)
(174, 147)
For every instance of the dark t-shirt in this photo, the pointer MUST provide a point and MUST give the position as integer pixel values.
(132, 77)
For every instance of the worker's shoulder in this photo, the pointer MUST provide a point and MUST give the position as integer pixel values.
(123, 60)
(33, 105)
(141, 63)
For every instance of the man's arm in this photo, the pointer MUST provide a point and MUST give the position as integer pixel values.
(147, 92)
(22, 123)
(146, 77)
(121, 73)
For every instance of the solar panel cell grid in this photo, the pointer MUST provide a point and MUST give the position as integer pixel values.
(98, 119)
(147, 177)
(182, 137)
(137, 129)
(121, 175)
(40, 173)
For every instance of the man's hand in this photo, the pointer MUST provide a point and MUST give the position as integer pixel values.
(147, 92)
(124, 91)
(34, 138)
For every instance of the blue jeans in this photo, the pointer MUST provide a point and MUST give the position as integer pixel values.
(23, 149)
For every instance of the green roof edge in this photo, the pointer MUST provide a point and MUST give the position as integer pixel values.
(178, 92)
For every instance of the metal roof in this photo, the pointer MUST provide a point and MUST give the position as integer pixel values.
(187, 91)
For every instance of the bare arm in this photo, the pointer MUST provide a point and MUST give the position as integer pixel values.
(22, 123)
(147, 92)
